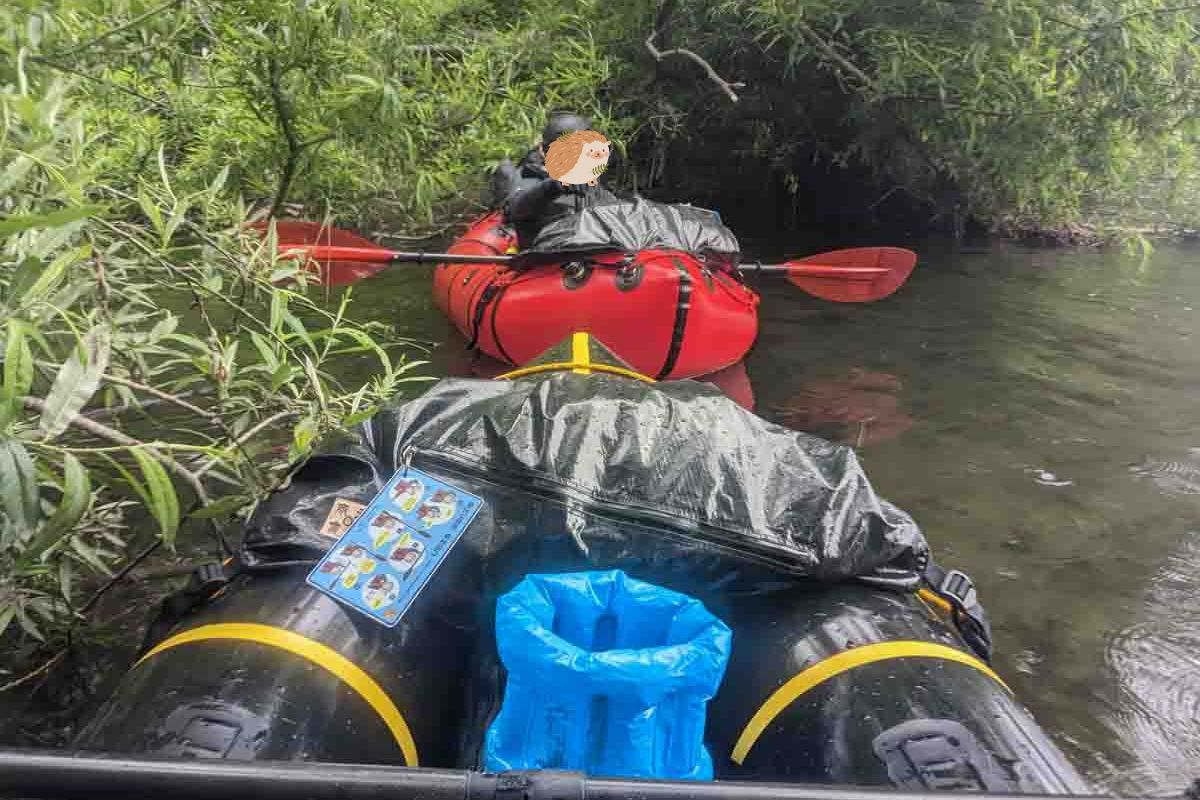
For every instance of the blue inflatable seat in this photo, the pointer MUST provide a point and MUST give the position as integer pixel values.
(606, 674)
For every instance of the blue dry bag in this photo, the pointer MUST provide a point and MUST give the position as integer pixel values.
(606, 674)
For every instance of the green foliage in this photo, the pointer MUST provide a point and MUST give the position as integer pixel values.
(138, 137)
(389, 112)
(115, 295)
(380, 110)
(1027, 111)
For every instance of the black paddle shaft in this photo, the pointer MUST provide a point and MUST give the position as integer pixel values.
(421, 257)
(447, 258)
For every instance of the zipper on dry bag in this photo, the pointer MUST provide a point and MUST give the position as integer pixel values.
(545, 489)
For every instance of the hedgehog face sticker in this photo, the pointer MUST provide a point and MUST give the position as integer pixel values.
(438, 509)
(380, 591)
(578, 157)
(406, 493)
(384, 529)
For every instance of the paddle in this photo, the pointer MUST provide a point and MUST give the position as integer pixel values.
(857, 275)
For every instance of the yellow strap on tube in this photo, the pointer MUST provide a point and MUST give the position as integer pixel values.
(822, 671)
(321, 655)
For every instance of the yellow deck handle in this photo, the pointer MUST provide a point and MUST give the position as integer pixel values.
(580, 363)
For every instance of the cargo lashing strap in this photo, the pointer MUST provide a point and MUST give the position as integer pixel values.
(957, 590)
(206, 580)
(489, 295)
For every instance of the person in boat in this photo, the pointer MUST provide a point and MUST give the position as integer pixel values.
(531, 198)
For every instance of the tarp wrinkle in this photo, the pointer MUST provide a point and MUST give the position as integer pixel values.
(681, 468)
(636, 225)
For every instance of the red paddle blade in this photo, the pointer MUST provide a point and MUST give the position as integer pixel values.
(340, 257)
(296, 232)
(857, 275)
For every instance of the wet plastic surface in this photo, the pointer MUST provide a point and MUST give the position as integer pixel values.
(606, 674)
(775, 532)
(635, 225)
(666, 313)
(680, 457)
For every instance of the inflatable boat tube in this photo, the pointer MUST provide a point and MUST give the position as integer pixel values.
(663, 312)
(845, 668)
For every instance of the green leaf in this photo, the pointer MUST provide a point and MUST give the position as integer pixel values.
(315, 381)
(18, 487)
(76, 497)
(219, 181)
(162, 171)
(265, 350)
(7, 612)
(66, 576)
(15, 171)
(163, 327)
(76, 381)
(18, 360)
(49, 279)
(89, 555)
(159, 496)
(178, 214)
(360, 416)
(221, 507)
(152, 211)
(23, 277)
(23, 222)
(10, 409)
(298, 328)
(279, 302)
(33, 28)
(281, 375)
(27, 624)
(367, 343)
(303, 434)
(188, 341)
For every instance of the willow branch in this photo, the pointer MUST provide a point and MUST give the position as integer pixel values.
(115, 411)
(954, 105)
(659, 55)
(283, 117)
(195, 286)
(240, 441)
(166, 397)
(1153, 12)
(30, 676)
(116, 437)
(138, 20)
(125, 570)
(131, 92)
(833, 55)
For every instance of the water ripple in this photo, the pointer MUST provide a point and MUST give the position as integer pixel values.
(1157, 665)
(1173, 477)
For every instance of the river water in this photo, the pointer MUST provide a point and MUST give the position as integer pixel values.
(1036, 412)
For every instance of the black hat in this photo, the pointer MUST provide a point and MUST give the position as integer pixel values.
(559, 124)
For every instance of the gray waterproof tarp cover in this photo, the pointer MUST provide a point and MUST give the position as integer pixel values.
(604, 472)
(635, 225)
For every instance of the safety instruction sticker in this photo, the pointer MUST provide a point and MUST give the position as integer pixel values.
(388, 554)
(341, 517)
